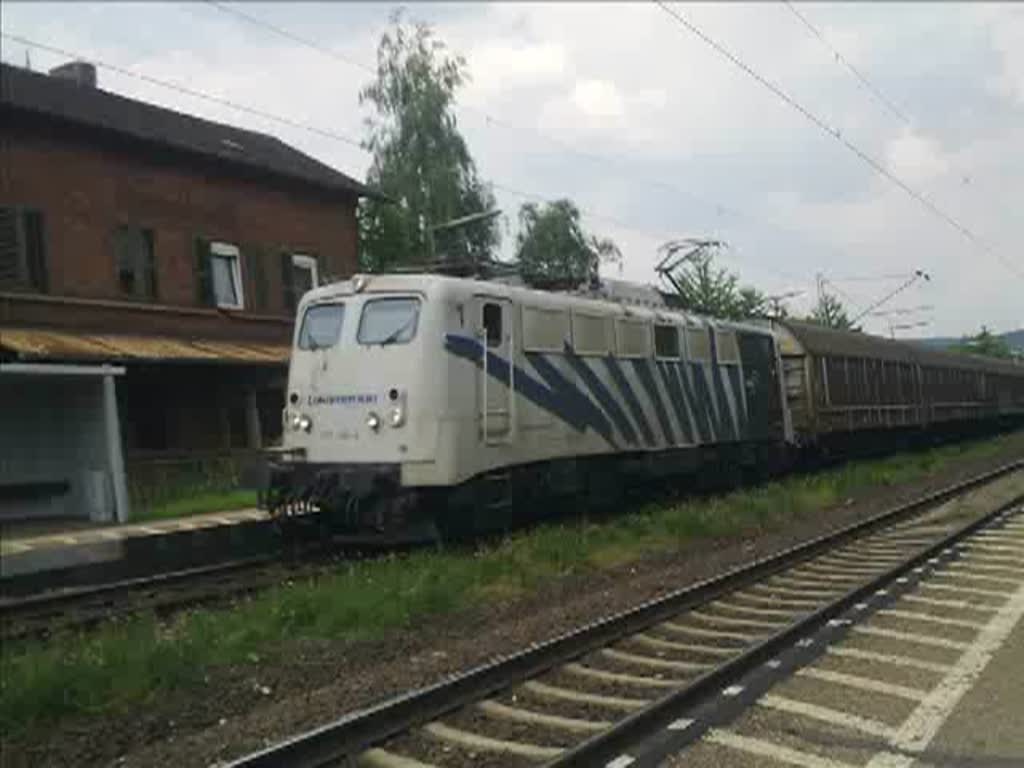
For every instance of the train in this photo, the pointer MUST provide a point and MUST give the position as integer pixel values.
(434, 406)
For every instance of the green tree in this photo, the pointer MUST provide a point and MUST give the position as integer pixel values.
(420, 159)
(985, 343)
(830, 312)
(701, 286)
(552, 247)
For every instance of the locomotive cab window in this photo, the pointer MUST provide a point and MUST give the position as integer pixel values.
(666, 341)
(321, 326)
(698, 345)
(492, 324)
(389, 321)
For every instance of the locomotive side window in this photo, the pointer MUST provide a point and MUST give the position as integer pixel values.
(728, 350)
(321, 326)
(666, 341)
(698, 345)
(633, 337)
(492, 324)
(590, 334)
(544, 330)
(389, 321)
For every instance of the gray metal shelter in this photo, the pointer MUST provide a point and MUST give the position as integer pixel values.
(60, 443)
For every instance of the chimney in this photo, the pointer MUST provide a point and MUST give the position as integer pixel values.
(81, 72)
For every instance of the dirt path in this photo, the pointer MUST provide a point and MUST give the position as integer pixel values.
(242, 708)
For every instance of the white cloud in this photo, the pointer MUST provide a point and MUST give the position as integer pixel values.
(1007, 31)
(495, 65)
(915, 158)
(598, 98)
(638, 121)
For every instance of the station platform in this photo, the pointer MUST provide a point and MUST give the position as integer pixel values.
(931, 679)
(49, 534)
(64, 546)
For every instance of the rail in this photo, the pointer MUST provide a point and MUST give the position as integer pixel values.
(353, 734)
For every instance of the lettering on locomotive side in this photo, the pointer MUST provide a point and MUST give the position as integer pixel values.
(357, 399)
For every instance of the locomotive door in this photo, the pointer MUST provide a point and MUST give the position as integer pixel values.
(495, 378)
(761, 385)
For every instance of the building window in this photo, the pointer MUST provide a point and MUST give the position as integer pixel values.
(226, 275)
(299, 275)
(136, 273)
(22, 249)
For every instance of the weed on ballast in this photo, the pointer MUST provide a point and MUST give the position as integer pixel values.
(118, 667)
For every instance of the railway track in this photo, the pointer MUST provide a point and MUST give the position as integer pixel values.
(50, 612)
(632, 684)
(47, 610)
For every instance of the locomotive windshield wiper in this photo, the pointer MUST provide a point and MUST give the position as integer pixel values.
(392, 337)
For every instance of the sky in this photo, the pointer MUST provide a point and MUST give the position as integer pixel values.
(654, 133)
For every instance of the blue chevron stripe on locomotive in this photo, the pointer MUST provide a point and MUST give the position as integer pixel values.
(628, 402)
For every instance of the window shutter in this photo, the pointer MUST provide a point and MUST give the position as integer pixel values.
(149, 255)
(288, 283)
(255, 265)
(35, 250)
(204, 278)
(10, 261)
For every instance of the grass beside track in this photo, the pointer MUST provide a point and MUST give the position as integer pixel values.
(198, 504)
(115, 668)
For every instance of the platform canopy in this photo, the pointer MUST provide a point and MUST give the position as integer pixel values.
(46, 344)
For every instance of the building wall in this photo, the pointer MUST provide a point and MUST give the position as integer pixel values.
(86, 191)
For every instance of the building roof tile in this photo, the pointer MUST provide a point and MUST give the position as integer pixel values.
(66, 101)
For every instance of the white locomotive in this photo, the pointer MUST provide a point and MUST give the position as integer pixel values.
(426, 404)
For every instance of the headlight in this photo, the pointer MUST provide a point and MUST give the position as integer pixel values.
(296, 422)
(306, 424)
(397, 416)
(373, 421)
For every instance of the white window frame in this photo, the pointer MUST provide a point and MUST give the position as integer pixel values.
(304, 261)
(230, 251)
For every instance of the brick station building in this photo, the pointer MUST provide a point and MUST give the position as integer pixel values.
(157, 249)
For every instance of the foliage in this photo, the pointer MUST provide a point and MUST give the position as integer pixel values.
(198, 504)
(552, 246)
(702, 287)
(420, 159)
(119, 666)
(985, 343)
(831, 313)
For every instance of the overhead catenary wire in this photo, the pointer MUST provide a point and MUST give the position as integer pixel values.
(184, 89)
(836, 134)
(861, 78)
(334, 135)
(564, 146)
